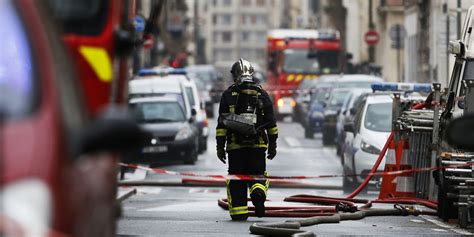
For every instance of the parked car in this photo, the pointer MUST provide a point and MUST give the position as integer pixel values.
(58, 169)
(332, 110)
(319, 97)
(215, 79)
(366, 138)
(184, 85)
(347, 116)
(204, 89)
(175, 138)
(302, 97)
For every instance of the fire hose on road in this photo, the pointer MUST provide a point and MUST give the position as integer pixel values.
(346, 205)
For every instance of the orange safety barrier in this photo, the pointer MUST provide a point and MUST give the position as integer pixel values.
(397, 185)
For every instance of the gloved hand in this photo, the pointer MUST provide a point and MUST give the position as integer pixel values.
(272, 151)
(221, 154)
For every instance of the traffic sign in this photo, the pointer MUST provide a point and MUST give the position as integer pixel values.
(139, 23)
(397, 33)
(371, 37)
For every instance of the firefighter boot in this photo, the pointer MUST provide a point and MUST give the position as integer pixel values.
(258, 199)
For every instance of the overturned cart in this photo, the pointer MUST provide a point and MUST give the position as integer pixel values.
(451, 181)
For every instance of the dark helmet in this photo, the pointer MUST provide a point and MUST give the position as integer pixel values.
(242, 71)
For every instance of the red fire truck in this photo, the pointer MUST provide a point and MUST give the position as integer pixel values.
(294, 55)
(61, 180)
(99, 34)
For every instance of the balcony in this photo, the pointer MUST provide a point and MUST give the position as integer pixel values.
(391, 6)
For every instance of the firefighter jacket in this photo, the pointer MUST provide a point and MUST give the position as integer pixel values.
(266, 122)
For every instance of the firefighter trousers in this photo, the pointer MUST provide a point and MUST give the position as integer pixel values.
(247, 161)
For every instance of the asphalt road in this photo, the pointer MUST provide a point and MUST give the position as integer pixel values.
(174, 210)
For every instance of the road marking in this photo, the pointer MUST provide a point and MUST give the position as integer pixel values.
(417, 221)
(293, 142)
(138, 174)
(204, 190)
(447, 226)
(149, 190)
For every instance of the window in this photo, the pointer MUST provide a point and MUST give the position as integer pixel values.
(215, 37)
(243, 19)
(17, 81)
(86, 17)
(261, 54)
(227, 2)
(245, 36)
(214, 19)
(190, 95)
(261, 37)
(226, 19)
(223, 55)
(379, 117)
(226, 36)
(246, 2)
(260, 3)
(159, 112)
(262, 19)
(253, 19)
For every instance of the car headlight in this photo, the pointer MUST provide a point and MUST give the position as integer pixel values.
(28, 204)
(317, 114)
(364, 146)
(184, 133)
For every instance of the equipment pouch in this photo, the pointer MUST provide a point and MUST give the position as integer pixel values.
(239, 124)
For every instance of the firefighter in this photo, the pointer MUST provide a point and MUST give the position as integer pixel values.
(246, 151)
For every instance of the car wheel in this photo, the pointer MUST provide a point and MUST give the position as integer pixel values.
(347, 185)
(191, 157)
(279, 117)
(446, 209)
(203, 146)
(308, 133)
(210, 112)
(326, 139)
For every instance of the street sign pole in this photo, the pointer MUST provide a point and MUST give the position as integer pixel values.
(399, 73)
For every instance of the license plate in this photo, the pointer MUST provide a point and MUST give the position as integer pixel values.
(155, 149)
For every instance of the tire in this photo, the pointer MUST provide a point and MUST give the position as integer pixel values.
(446, 208)
(210, 112)
(308, 133)
(279, 117)
(347, 185)
(191, 157)
(202, 146)
(326, 139)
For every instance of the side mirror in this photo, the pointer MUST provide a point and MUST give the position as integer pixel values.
(116, 135)
(456, 47)
(352, 111)
(312, 54)
(193, 112)
(459, 132)
(349, 127)
(307, 98)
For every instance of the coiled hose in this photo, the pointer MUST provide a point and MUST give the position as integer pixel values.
(292, 227)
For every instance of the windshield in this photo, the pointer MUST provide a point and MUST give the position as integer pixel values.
(378, 117)
(17, 82)
(338, 98)
(297, 61)
(85, 17)
(320, 94)
(159, 112)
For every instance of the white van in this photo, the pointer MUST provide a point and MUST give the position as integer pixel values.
(158, 81)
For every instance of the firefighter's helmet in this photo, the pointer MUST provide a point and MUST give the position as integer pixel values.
(242, 71)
